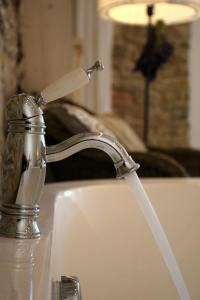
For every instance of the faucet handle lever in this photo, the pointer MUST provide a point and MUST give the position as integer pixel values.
(69, 83)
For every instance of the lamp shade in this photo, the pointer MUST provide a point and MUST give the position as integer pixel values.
(134, 11)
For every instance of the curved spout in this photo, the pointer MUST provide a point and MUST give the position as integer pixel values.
(122, 161)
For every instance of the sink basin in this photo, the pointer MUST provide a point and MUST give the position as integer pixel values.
(100, 235)
(95, 230)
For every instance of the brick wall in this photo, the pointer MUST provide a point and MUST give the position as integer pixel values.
(169, 92)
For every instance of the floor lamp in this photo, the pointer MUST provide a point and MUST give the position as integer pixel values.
(156, 52)
(146, 13)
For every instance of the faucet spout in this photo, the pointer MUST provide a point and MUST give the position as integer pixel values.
(123, 162)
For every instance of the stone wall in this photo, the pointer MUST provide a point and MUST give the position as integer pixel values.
(169, 92)
(8, 56)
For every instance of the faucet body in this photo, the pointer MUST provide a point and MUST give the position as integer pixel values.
(23, 168)
(24, 164)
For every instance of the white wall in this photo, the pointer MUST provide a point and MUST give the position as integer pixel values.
(194, 81)
(47, 39)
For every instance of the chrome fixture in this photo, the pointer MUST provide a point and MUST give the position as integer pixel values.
(96, 67)
(122, 161)
(67, 288)
(24, 164)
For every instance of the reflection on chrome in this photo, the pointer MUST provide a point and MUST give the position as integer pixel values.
(19, 272)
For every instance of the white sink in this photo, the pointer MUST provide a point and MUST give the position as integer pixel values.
(94, 230)
(101, 236)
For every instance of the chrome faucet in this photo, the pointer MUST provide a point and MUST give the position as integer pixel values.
(25, 158)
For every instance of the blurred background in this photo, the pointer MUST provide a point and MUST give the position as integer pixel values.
(151, 76)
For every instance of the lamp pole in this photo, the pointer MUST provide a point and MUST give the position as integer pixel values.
(150, 11)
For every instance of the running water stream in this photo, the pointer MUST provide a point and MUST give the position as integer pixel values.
(159, 234)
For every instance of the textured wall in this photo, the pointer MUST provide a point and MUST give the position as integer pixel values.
(169, 92)
(8, 56)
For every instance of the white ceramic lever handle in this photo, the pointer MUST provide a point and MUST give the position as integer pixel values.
(65, 85)
(69, 82)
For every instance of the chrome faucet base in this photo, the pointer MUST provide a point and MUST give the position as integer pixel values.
(19, 223)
